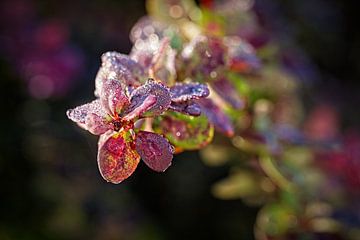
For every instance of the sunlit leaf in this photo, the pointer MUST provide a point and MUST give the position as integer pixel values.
(154, 150)
(117, 158)
(184, 132)
(91, 116)
(118, 67)
(142, 93)
(112, 96)
(139, 106)
(181, 92)
(216, 116)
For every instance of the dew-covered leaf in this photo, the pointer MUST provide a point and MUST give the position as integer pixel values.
(188, 107)
(91, 116)
(227, 91)
(118, 67)
(216, 116)
(142, 93)
(241, 56)
(155, 151)
(113, 97)
(183, 131)
(182, 92)
(139, 106)
(117, 158)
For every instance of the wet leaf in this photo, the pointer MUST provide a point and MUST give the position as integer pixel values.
(118, 67)
(113, 96)
(91, 116)
(154, 150)
(117, 159)
(181, 92)
(142, 93)
(188, 107)
(184, 132)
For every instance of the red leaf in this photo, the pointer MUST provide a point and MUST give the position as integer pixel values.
(117, 160)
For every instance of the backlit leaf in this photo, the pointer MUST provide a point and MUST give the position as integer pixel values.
(91, 116)
(227, 91)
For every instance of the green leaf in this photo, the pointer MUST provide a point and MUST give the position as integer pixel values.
(183, 131)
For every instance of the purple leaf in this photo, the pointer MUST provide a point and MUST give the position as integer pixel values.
(188, 107)
(91, 116)
(138, 106)
(217, 117)
(116, 158)
(227, 91)
(118, 67)
(142, 93)
(182, 92)
(241, 56)
(154, 150)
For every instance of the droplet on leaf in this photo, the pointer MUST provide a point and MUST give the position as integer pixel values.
(154, 150)
(188, 107)
(156, 89)
(181, 92)
(91, 116)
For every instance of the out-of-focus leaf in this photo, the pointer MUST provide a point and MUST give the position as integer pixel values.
(181, 92)
(184, 132)
(241, 56)
(170, 11)
(251, 187)
(203, 59)
(227, 91)
(117, 158)
(91, 116)
(216, 116)
(154, 150)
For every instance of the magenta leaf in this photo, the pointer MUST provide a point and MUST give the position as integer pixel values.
(227, 91)
(155, 151)
(117, 160)
(182, 92)
(142, 93)
(217, 117)
(138, 106)
(113, 96)
(188, 107)
(91, 116)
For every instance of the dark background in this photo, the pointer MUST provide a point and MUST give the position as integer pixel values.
(50, 187)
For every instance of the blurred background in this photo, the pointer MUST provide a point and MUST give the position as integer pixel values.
(50, 186)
